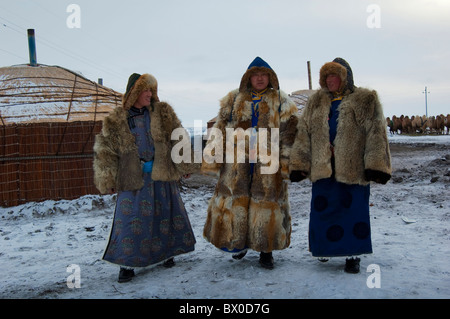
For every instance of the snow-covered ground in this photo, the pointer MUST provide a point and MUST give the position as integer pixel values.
(43, 246)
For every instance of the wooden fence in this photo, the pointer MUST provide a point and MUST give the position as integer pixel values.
(42, 161)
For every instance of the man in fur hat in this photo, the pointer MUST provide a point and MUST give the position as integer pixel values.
(342, 146)
(133, 157)
(250, 208)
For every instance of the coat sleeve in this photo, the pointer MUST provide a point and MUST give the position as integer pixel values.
(288, 130)
(165, 167)
(214, 151)
(106, 163)
(377, 157)
(191, 165)
(300, 159)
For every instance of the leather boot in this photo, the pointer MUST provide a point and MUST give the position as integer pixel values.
(266, 260)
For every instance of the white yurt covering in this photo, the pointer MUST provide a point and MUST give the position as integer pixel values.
(33, 94)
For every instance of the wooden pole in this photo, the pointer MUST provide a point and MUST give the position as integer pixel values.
(309, 75)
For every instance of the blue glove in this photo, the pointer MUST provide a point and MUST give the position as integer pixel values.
(148, 166)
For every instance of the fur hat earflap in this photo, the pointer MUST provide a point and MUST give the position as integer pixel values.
(258, 65)
(333, 68)
(136, 84)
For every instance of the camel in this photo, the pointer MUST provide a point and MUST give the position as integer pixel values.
(406, 125)
(439, 124)
(397, 124)
(428, 124)
(416, 124)
(390, 124)
(447, 122)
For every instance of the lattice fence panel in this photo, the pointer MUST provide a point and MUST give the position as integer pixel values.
(44, 161)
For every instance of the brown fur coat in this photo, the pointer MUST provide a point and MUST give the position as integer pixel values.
(116, 161)
(256, 217)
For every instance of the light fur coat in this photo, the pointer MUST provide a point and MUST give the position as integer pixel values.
(116, 162)
(360, 144)
(256, 216)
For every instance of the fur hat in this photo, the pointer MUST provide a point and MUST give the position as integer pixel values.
(349, 81)
(258, 65)
(136, 84)
(341, 68)
(333, 68)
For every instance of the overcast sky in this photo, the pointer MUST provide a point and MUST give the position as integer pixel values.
(199, 49)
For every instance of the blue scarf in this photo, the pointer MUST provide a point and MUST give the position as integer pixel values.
(333, 117)
(256, 98)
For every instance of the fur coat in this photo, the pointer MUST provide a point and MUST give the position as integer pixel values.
(361, 149)
(244, 213)
(116, 161)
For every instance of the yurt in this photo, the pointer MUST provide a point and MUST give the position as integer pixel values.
(49, 117)
(301, 97)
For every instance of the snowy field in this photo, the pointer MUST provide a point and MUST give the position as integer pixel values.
(410, 219)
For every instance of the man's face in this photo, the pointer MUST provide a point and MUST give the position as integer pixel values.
(333, 82)
(144, 99)
(259, 81)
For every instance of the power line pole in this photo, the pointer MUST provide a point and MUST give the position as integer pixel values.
(426, 102)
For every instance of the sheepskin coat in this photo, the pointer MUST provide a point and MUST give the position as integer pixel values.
(361, 140)
(247, 212)
(116, 162)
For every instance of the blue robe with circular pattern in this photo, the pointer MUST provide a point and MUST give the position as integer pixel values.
(339, 219)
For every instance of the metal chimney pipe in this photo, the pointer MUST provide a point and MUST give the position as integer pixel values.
(32, 47)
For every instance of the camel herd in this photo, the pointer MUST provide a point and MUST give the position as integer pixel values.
(439, 124)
